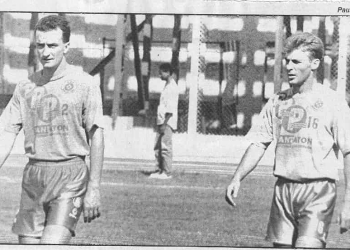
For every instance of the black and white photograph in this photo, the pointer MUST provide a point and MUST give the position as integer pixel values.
(203, 124)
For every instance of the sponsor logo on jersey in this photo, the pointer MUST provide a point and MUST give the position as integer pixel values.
(318, 104)
(44, 130)
(293, 119)
(49, 108)
(294, 140)
(69, 86)
(26, 89)
(32, 94)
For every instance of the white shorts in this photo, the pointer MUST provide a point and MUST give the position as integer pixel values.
(52, 194)
(301, 209)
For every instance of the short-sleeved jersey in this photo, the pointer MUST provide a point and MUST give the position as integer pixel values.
(56, 115)
(168, 103)
(308, 129)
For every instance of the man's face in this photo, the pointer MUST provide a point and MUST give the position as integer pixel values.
(299, 66)
(164, 75)
(50, 47)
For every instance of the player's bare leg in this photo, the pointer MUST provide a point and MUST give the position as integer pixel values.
(27, 240)
(55, 234)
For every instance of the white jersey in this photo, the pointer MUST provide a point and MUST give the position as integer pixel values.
(308, 129)
(56, 115)
(168, 103)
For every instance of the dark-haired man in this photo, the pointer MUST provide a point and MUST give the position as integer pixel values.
(59, 109)
(308, 123)
(166, 123)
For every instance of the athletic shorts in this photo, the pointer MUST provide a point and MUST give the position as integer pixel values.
(301, 210)
(52, 194)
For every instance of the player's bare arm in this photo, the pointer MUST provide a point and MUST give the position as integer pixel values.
(7, 140)
(344, 216)
(249, 161)
(92, 201)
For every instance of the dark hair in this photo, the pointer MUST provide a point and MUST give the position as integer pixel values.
(166, 67)
(53, 22)
(305, 42)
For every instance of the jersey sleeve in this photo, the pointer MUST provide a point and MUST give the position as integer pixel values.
(261, 132)
(341, 127)
(11, 116)
(93, 112)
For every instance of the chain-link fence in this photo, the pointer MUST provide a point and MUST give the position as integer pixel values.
(235, 84)
(238, 72)
(217, 99)
(236, 61)
(219, 116)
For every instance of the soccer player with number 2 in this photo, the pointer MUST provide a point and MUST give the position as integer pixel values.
(59, 109)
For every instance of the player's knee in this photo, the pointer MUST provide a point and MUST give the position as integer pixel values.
(309, 242)
(55, 234)
(26, 240)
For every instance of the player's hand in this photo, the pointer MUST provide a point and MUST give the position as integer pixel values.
(92, 204)
(344, 220)
(232, 192)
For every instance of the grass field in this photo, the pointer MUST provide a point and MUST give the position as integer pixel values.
(188, 210)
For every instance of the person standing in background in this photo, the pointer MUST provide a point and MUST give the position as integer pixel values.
(167, 115)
